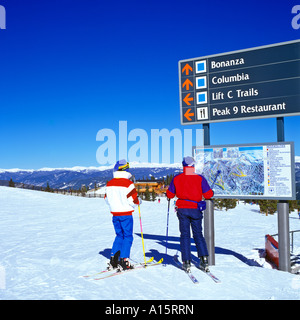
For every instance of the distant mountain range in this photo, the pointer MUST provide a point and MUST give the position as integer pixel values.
(66, 178)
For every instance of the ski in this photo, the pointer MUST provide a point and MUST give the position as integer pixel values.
(191, 276)
(111, 270)
(211, 275)
(141, 265)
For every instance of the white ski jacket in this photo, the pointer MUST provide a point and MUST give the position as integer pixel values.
(121, 195)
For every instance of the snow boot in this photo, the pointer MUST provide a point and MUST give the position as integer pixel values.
(114, 261)
(186, 266)
(204, 263)
(124, 264)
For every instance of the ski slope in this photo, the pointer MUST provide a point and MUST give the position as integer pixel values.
(48, 241)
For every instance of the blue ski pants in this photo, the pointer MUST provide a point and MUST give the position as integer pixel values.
(124, 235)
(191, 218)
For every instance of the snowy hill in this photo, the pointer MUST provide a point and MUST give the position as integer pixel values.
(48, 241)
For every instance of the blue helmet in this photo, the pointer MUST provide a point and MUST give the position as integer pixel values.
(121, 165)
(188, 162)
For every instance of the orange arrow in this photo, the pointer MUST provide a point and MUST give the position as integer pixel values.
(189, 114)
(187, 99)
(187, 83)
(187, 68)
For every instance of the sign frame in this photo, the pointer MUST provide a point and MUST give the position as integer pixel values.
(198, 106)
(258, 197)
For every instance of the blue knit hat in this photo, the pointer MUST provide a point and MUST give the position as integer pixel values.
(188, 162)
(121, 165)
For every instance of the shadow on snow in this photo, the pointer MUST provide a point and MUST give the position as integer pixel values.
(174, 244)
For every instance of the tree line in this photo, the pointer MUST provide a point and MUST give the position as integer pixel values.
(265, 206)
(81, 190)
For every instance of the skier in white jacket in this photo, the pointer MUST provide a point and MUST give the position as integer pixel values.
(121, 197)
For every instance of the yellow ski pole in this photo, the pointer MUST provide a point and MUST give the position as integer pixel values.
(133, 177)
(142, 234)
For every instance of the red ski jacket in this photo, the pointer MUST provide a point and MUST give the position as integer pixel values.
(189, 186)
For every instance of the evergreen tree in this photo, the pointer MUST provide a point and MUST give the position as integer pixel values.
(11, 183)
(147, 193)
(83, 190)
(229, 203)
(293, 205)
(48, 189)
(267, 206)
(169, 179)
(138, 190)
(225, 203)
(218, 204)
(153, 195)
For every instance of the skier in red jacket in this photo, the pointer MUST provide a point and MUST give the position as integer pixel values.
(190, 188)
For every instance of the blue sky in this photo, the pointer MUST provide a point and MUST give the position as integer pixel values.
(70, 68)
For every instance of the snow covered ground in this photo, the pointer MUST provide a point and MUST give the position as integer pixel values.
(49, 240)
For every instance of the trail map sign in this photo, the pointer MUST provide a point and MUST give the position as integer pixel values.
(265, 171)
(261, 82)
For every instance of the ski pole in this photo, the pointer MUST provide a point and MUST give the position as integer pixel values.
(142, 234)
(134, 181)
(141, 225)
(167, 232)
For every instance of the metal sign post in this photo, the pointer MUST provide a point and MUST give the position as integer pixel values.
(283, 218)
(283, 236)
(209, 224)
